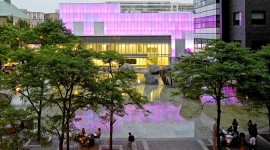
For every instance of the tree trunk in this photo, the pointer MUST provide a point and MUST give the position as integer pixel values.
(39, 127)
(62, 136)
(39, 112)
(268, 108)
(67, 122)
(111, 129)
(218, 123)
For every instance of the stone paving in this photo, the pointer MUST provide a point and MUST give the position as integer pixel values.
(154, 144)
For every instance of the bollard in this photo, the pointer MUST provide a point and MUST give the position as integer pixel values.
(214, 134)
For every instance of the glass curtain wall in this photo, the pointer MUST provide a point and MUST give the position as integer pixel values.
(140, 55)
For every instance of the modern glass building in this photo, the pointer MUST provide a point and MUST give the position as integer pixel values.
(206, 22)
(153, 6)
(243, 21)
(144, 38)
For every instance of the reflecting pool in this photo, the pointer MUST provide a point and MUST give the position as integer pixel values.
(170, 117)
(164, 121)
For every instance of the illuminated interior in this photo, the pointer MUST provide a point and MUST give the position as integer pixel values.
(140, 55)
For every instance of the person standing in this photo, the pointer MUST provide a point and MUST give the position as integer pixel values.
(131, 139)
(234, 125)
(250, 124)
(254, 131)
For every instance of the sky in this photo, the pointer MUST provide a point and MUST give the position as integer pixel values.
(49, 6)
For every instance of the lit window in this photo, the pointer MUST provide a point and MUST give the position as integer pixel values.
(237, 18)
(258, 18)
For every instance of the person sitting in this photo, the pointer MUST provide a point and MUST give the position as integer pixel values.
(91, 141)
(229, 139)
(98, 134)
(82, 136)
(252, 143)
(230, 129)
(242, 141)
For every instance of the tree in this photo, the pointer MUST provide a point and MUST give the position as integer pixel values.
(12, 136)
(69, 67)
(22, 24)
(210, 72)
(8, 41)
(9, 34)
(116, 89)
(256, 83)
(51, 33)
(30, 75)
(30, 78)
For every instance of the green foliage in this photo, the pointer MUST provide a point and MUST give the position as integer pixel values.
(23, 25)
(9, 36)
(208, 72)
(256, 83)
(110, 57)
(11, 135)
(51, 33)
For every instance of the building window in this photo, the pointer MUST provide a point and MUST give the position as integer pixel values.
(258, 18)
(237, 18)
(131, 61)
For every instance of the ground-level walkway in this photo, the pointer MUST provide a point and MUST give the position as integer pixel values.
(152, 144)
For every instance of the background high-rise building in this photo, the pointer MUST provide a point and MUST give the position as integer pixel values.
(244, 21)
(35, 18)
(152, 6)
(206, 22)
(52, 16)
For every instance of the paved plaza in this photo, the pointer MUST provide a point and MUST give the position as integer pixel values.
(154, 144)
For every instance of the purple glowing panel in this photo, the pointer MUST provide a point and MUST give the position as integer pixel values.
(229, 94)
(178, 25)
(84, 8)
(205, 22)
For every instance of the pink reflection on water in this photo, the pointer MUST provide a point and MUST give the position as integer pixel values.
(161, 112)
(229, 94)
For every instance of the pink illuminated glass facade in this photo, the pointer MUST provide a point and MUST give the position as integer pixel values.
(86, 16)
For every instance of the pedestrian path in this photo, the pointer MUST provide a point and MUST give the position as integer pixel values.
(141, 144)
(152, 144)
